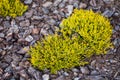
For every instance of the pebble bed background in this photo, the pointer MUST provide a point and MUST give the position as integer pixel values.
(42, 18)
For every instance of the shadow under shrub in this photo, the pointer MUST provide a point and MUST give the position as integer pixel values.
(83, 34)
(12, 8)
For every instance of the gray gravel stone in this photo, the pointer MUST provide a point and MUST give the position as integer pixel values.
(25, 23)
(117, 78)
(76, 4)
(117, 27)
(0, 50)
(12, 78)
(29, 13)
(7, 17)
(94, 72)
(35, 31)
(45, 10)
(6, 24)
(66, 74)
(75, 70)
(8, 69)
(113, 61)
(108, 13)
(26, 33)
(84, 70)
(16, 60)
(45, 77)
(6, 76)
(14, 63)
(108, 1)
(64, 1)
(1, 28)
(55, 11)
(1, 71)
(1, 19)
(18, 68)
(116, 14)
(4, 65)
(23, 74)
(57, 2)
(93, 3)
(8, 58)
(16, 57)
(47, 4)
(71, 2)
(13, 22)
(21, 78)
(13, 29)
(62, 14)
(37, 18)
(77, 78)
(28, 1)
(34, 5)
(75, 74)
(60, 78)
(31, 70)
(61, 5)
(93, 64)
(20, 18)
(116, 43)
(69, 9)
(95, 78)
(34, 73)
(35, 22)
(29, 38)
(52, 22)
(37, 75)
(34, 41)
(50, 32)
(44, 31)
(23, 50)
(2, 35)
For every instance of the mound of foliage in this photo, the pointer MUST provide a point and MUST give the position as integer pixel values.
(83, 34)
(12, 8)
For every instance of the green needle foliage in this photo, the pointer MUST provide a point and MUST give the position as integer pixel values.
(56, 53)
(12, 8)
(94, 29)
(83, 34)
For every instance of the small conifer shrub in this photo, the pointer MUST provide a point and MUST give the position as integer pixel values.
(82, 34)
(12, 8)
(56, 53)
(95, 30)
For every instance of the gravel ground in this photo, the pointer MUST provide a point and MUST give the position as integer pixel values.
(43, 18)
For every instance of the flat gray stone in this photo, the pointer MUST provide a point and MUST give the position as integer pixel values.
(84, 70)
(47, 4)
(28, 1)
(57, 2)
(95, 78)
(2, 35)
(29, 14)
(25, 23)
(29, 38)
(45, 77)
(6, 24)
(108, 13)
(70, 9)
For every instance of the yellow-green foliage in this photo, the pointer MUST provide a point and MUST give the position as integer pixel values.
(94, 29)
(12, 8)
(56, 53)
(83, 34)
